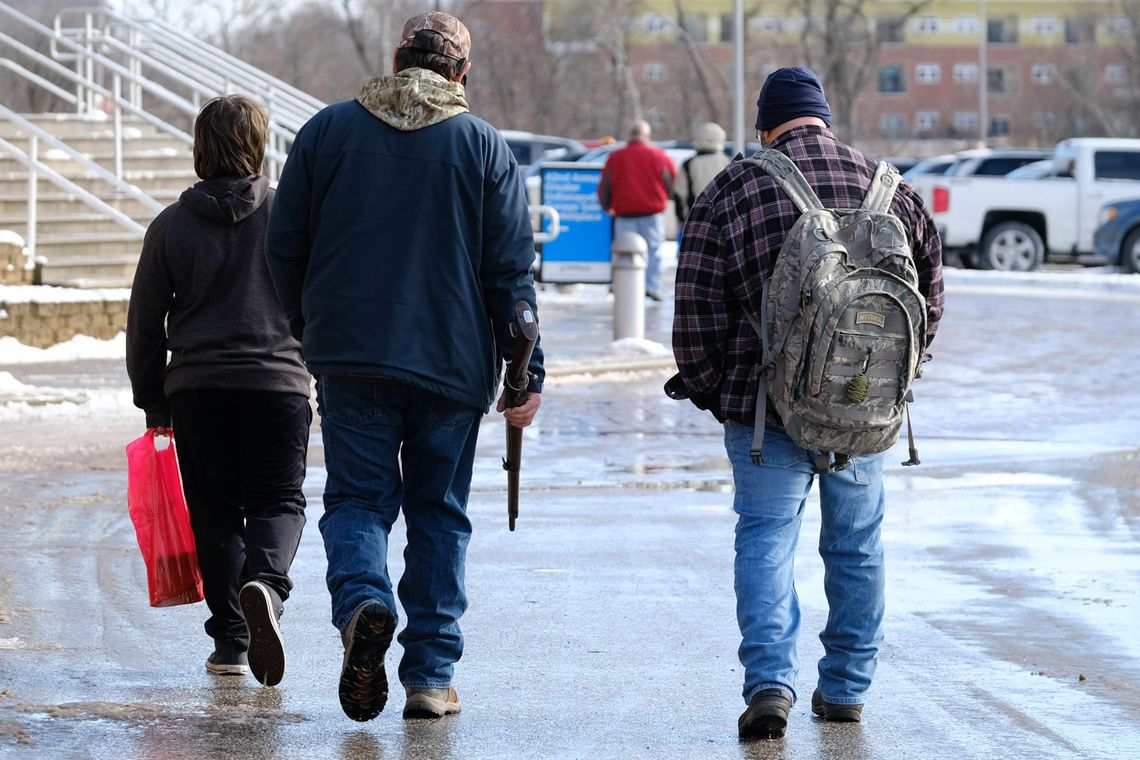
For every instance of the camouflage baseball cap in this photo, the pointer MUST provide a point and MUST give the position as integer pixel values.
(445, 35)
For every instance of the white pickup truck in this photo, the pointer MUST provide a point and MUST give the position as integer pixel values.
(1017, 224)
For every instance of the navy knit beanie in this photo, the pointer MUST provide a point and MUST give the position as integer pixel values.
(790, 93)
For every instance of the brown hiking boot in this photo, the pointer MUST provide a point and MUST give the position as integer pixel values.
(363, 681)
(833, 712)
(766, 716)
(431, 703)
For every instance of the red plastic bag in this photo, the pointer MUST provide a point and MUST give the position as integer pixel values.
(162, 522)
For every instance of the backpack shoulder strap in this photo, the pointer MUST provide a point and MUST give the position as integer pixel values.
(788, 176)
(882, 190)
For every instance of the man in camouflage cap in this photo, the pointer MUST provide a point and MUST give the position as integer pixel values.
(400, 225)
(437, 32)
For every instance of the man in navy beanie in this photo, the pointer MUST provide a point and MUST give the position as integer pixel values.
(729, 247)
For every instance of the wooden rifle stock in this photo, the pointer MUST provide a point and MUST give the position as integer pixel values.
(525, 331)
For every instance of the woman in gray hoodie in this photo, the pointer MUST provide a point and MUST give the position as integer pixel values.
(235, 387)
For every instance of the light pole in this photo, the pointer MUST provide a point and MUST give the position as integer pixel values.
(983, 76)
(738, 138)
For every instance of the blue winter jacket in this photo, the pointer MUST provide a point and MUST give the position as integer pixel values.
(400, 251)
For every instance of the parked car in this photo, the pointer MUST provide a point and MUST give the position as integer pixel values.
(995, 162)
(530, 148)
(1116, 240)
(977, 162)
(902, 163)
(932, 165)
(1016, 224)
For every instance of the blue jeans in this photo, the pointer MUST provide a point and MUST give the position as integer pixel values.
(652, 228)
(770, 500)
(389, 445)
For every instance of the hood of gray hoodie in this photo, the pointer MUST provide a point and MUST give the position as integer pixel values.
(227, 200)
(412, 99)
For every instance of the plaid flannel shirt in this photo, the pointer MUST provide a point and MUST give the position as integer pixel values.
(728, 250)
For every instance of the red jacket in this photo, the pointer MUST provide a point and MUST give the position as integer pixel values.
(637, 180)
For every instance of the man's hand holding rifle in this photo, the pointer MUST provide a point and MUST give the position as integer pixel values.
(517, 404)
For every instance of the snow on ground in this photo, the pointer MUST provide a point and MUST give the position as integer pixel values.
(80, 347)
(56, 294)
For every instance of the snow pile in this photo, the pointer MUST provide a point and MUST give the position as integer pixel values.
(638, 346)
(56, 294)
(79, 347)
(11, 238)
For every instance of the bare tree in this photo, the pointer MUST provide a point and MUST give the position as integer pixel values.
(839, 40)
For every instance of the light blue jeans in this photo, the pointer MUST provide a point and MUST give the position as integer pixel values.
(652, 228)
(391, 446)
(770, 500)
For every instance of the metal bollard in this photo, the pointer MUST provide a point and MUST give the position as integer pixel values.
(629, 255)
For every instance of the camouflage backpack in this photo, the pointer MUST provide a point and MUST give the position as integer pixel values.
(842, 323)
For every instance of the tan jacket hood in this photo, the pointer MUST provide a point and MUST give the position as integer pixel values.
(412, 99)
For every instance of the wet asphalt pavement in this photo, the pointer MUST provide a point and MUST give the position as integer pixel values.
(604, 627)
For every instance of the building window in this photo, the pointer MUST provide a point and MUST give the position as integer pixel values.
(766, 24)
(1079, 31)
(928, 73)
(1045, 26)
(891, 79)
(1000, 126)
(1002, 30)
(655, 72)
(1044, 121)
(1114, 73)
(655, 23)
(1042, 73)
(726, 30)
(1001, 79)
(655, 117)
(696, 25)
(1118, 26)
(890, 29)
(926, 121)
(966, 25)
(927, 25)
(966, 73)
(893, 125)
(966, 121)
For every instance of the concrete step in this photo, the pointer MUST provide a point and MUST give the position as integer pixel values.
(69, 224)
(66, 126)
(100, 272)
(54, 202)
(67, 249)
(163, 159)
(12, 184)
(106, 144)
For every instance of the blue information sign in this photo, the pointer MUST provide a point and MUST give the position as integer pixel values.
(581, 252)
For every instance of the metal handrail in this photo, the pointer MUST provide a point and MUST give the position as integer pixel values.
(110, 57)
(160, 35)
(30, 160)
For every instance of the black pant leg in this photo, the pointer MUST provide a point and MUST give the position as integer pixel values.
(210, 463)
(274, 446)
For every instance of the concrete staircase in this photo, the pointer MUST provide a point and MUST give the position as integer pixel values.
(77, 246)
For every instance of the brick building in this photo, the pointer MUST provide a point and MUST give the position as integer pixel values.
(900, 71)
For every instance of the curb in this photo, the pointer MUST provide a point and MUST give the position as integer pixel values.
(1033, 283)
(602, 366)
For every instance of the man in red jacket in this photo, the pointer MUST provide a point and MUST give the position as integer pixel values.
(635, 188)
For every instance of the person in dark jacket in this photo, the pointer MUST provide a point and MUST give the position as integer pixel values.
(235, 387)
(729, 251)
(400, 244)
